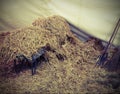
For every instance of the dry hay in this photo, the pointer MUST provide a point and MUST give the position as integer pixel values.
(76, 74)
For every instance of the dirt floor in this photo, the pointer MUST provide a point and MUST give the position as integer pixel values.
(74, 72)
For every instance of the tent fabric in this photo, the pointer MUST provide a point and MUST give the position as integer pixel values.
(96, 17)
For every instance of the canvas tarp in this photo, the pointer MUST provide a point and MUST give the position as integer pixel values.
(96, 17)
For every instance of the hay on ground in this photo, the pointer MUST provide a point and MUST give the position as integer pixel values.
(75, 74)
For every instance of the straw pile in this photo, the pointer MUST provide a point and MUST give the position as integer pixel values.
(75, 74)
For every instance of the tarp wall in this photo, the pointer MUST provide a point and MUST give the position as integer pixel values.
(96, 17)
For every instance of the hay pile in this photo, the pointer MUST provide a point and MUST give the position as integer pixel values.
(75, 74)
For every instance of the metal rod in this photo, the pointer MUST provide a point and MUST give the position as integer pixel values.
(84, 36)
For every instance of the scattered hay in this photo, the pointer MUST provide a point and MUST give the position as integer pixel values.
(73, 74)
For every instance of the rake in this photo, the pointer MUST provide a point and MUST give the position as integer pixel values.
(104, 56)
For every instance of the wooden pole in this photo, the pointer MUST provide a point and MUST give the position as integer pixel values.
(112, 36)
(104, 56)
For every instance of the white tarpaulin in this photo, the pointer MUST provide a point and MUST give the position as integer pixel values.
(96, 17)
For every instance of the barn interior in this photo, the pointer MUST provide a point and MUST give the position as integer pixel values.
(75, 44)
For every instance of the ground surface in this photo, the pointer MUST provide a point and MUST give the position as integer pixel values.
(75, 74)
